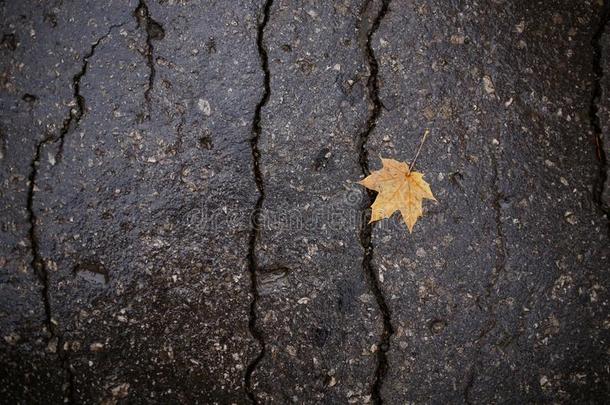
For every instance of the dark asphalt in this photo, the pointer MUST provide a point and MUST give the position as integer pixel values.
(181, 221)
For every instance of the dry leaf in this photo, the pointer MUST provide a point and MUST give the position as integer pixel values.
(399, 190)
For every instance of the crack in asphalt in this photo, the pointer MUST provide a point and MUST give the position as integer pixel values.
(41, 271)
(595, 121)
(154, 31)
(77, 113)
(260, 186)
(501, 250)
(499, 267)
(366, 16)
(38, 264)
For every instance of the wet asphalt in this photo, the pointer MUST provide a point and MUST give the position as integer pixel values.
(180, 219)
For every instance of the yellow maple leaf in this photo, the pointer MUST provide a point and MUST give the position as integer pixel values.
(399, 189)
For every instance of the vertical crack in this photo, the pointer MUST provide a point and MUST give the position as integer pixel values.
(369, 24)
(500, 242)
(78, 111)
(595, 121)
(260, 186)
(38, 264)
(41, 271)
(154, 31)
(499, 267)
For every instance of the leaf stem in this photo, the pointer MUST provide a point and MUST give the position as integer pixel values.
(423, 139)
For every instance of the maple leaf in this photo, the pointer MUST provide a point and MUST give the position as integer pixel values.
(400, 189)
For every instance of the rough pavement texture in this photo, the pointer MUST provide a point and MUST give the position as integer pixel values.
(181, 223)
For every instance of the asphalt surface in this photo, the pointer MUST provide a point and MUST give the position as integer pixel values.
(181, 221)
